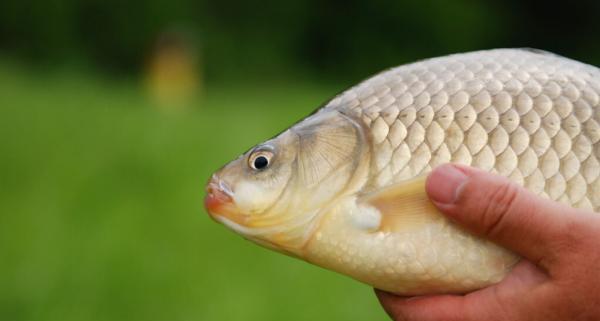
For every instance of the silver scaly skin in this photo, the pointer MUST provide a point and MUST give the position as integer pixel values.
(529, 115)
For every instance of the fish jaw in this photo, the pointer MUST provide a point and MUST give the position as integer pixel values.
(219, 201)
(215, 196)
(277, 231)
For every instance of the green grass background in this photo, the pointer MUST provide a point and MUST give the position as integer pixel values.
(101, 214)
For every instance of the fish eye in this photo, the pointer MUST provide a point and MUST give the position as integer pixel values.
(260, 160)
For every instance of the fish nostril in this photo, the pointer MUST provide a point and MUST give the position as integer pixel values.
(225, 188)
(219, 188)
(212, 185)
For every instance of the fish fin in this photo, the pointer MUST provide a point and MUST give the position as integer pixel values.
(403, 206)
(538, 51)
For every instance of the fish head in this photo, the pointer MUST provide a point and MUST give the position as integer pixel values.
(274, 193)
(248, 186)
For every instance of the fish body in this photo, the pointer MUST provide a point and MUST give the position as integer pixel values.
(343, 188)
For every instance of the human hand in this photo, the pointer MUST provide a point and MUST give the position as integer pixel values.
(559, 275)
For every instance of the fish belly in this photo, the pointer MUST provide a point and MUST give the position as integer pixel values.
(438, 257)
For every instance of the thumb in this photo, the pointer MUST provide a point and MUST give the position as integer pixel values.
(492, 207)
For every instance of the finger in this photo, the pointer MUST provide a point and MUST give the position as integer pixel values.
(502, 301)
(493, 207)
(387, 302)
(427, 308)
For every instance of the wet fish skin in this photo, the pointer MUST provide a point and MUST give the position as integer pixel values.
(353, 199)
(526, 114)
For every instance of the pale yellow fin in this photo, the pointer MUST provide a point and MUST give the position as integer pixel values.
(403, 206)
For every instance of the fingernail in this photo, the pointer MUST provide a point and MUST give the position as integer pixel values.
(444, 184)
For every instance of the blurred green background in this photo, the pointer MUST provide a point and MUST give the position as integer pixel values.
(113, 114)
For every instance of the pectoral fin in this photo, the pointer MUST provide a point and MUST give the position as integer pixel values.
(403, 206)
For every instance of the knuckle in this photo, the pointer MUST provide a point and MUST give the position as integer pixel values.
(572, 238)
(574, 241)
(498, 204)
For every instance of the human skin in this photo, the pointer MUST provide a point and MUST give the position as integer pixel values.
(559, 275)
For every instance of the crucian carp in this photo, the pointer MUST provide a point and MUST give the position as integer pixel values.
(344, 188)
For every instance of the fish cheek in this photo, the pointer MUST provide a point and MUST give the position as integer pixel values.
(259, 191)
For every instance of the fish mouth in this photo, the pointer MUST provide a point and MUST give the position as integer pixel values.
(218, 195)
(219, 201)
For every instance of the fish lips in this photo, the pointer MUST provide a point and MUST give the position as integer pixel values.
(218, 195)
(219, 200)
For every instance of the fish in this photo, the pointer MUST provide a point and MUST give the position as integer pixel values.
(344, 187)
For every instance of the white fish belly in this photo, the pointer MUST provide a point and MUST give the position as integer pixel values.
(437, 257)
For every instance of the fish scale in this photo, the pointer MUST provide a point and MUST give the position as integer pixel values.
(529, 115)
